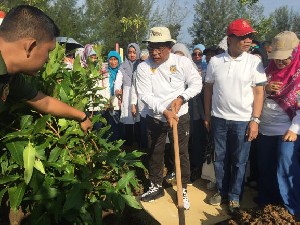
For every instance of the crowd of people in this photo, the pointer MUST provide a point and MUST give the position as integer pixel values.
(242, 94)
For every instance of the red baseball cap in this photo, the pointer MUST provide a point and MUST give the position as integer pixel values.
(239, 27)
(2, 15)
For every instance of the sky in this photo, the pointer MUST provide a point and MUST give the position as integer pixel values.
(269, 6)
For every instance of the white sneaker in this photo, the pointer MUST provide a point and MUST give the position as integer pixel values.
(155, 191)
(186, 202)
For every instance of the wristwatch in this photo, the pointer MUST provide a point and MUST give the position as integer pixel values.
(84, 119)
(255, 119)
(182, 98)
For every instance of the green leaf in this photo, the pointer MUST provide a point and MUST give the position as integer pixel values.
(16, 195)
(139, 164)
(39, 166)
(16, 150)
(131, 201)
(28, 158)
(55, 67)
(43, 193)
(119, 201)
(98, 213)
(40, 150)
(74, 198)
(54, 154)
(41, 124)
(62, 123)
(26, 121)
(76, 65)
(63, 95)
(9, 178)
(124, 181)
(2, 192)
(134, 155)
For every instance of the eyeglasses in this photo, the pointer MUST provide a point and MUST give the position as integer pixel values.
(284, 61)
(254, 47)
(197, 54)
(158, 49)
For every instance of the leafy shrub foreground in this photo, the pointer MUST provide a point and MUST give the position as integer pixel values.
(51, 169)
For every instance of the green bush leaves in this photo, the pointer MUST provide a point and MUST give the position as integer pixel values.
(55, 171)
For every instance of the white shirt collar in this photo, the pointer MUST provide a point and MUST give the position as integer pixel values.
(228, 58)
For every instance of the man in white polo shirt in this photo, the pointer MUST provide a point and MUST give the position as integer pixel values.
(234, 90)
(165, 81)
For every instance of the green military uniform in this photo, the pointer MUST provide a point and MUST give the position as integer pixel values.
(14, 87)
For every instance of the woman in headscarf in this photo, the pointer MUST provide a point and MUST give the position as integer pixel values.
(139, 107)
(198, 58)
(109, 74)
(197, 140)
(87, 54)
(181, 49)
(278, 140)
(123, 91)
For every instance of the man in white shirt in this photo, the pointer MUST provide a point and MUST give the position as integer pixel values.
(166, 81)
(234, 90)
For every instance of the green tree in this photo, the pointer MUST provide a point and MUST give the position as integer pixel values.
(283, 19)
(68, 17)
(211, 20)
(8, 4)
(171, 15)
(248, 2)
(213, 16)
(135, 24)
(112, 12)
(92, 15)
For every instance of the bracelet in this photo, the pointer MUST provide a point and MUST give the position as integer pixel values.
(255, 119)
(84, 119)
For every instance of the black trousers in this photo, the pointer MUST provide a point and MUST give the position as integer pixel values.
(157, 132)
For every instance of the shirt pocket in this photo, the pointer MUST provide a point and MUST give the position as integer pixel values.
(176, 80)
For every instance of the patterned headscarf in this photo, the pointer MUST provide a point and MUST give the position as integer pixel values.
(286, 98)
(85, 54)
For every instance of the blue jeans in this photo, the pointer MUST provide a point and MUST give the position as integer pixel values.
(279, 176)
(231, 156)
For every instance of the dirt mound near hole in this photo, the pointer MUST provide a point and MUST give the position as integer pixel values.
(270, 214)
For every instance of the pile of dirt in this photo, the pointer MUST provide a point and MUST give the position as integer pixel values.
(270, 214)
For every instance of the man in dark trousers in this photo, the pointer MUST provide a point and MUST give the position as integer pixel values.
(166, 81)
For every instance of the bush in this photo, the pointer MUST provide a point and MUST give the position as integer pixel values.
(51, 169)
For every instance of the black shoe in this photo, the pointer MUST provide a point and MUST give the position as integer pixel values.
(195, 174)
(171, 176)
(155, 191)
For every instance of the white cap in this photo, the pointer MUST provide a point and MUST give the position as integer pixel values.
(160, 34)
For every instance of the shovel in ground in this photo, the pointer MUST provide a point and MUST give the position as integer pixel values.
(181, 215)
